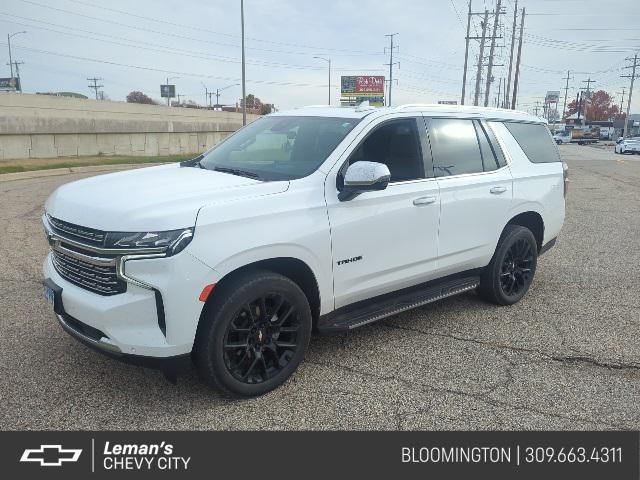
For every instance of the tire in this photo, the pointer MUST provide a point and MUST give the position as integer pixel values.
(508, 276)
(253, 334)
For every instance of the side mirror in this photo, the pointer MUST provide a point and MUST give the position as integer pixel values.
(364, 177)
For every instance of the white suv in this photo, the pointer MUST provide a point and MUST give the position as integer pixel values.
(318, 218)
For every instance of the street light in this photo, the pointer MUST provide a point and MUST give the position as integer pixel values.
(328, 60)
(10, 59)
(168, 97)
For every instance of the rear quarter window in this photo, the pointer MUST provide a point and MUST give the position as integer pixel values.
(535, 140)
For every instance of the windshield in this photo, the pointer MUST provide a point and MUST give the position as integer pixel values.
(279, 148)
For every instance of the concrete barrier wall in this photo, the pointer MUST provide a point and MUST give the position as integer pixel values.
(42, 126)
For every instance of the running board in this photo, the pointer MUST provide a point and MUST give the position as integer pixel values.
(368, 311)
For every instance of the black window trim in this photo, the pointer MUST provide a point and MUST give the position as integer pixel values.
(494, 141)
(481, 120)
(426, 174)
(480, 130)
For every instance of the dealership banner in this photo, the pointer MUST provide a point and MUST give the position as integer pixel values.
(356, 89)
(403, 455)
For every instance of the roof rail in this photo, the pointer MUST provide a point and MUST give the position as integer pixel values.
(415, 105)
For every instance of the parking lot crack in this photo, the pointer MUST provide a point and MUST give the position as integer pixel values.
(573, 359)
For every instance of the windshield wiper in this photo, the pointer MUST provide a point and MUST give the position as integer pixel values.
(238, 171)
(194, 162)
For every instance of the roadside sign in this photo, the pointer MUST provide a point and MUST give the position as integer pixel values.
(358, 88)
(10, 83)
(168, 91)
(553, 96)
(447, 102)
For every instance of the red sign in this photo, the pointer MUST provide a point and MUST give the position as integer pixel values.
(370, 84)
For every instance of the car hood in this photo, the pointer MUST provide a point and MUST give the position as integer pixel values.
(166, 197)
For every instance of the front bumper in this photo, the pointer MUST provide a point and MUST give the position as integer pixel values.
(141, 325)
(168, 365)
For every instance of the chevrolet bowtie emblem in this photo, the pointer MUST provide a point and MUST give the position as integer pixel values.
(50, 455)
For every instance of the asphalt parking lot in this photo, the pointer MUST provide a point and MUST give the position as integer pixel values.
(566, 357)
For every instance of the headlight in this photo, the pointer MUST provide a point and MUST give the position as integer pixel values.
(172, 241)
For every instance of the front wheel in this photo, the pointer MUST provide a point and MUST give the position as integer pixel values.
(254, 334)
(508, 276)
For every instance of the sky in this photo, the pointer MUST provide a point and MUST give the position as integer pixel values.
(137, 45)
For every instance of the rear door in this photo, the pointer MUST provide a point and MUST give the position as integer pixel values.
(475, 191)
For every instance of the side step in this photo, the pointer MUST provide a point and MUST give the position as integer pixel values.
(368, 311)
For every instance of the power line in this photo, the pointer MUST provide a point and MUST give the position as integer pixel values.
(206, 30)
(153, 69)
(162, 48)
(183, 37)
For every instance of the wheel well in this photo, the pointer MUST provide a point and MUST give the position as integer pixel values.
(292, 268)
(532, 221)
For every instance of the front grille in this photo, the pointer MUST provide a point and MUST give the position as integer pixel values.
(95, 278)
(75, 232)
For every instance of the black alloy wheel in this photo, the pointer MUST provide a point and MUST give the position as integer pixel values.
(253, 333)
(262, 338)
(510, 273)
(515, 271)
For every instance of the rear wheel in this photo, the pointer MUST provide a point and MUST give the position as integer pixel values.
(508, 276)
(253, 335)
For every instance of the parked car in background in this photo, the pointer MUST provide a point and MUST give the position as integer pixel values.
(319, 218)
(628, 145)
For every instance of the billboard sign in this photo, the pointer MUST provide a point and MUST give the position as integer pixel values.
(552, 96)
(357, 89)
(10, 83)
(168, 91)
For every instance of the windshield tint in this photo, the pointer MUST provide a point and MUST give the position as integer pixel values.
(279, 148)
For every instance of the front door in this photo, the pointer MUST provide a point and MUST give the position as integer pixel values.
(385, 240)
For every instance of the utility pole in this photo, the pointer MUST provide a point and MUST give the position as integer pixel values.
(218, 90)
(476, 94)
(587, 96)
(496, 19)
(95, 85)
(632, 76)
(210, 94)
(566, 92)
(517, 74)
(513, 42)
(466, 56)
(206, 93)
(391, 64)
(621, 101)
(17, 65)
(244, 90)
(499, 91)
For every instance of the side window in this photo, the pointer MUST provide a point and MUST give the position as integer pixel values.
(396, 144)
(535, 140)
(454, 144)
(488, 159)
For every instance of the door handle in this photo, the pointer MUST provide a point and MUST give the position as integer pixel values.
(498, 190)
(424, 201)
